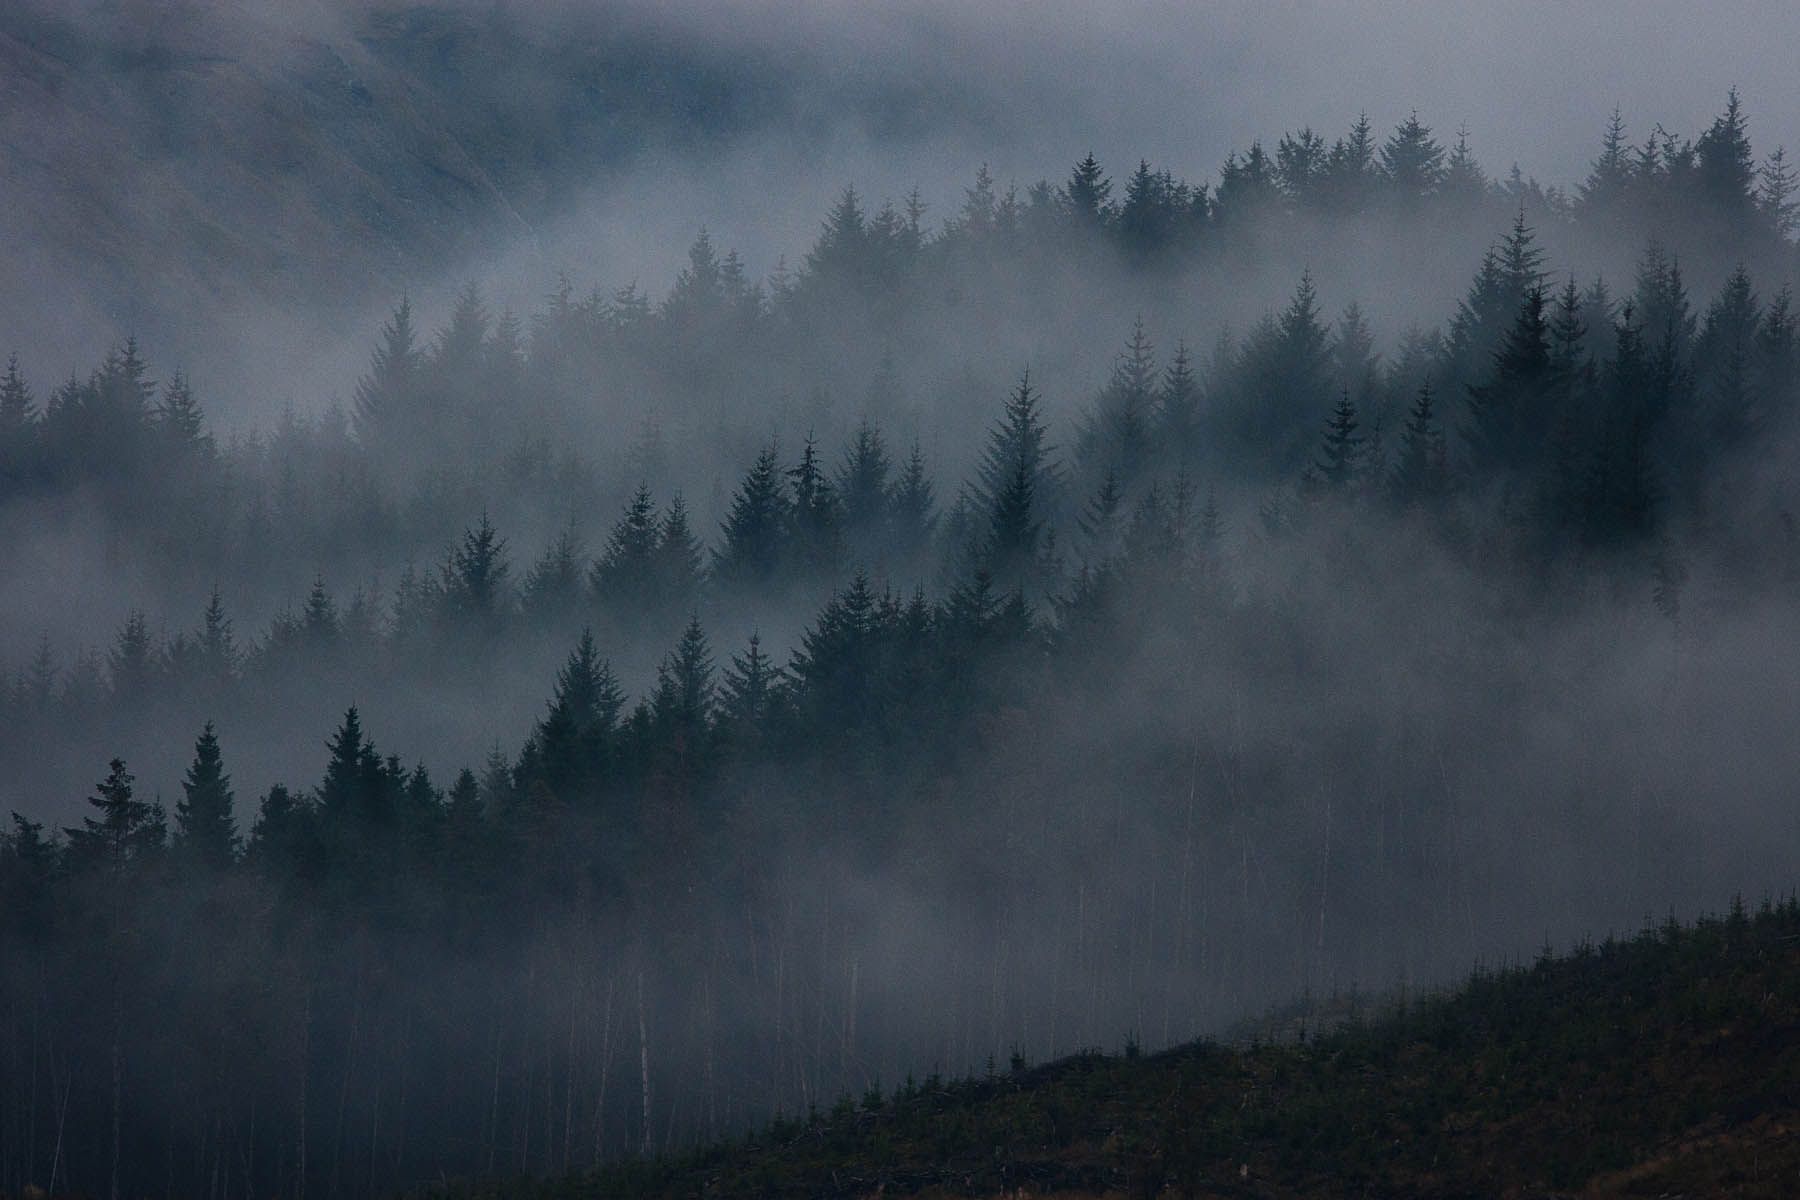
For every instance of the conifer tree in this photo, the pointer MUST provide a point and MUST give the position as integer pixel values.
(863, 488)
(1100, 522)
(219, 656)
(18, 423)
(1340, 455)
(1508, 411)
(386, 397)
(125, 830)
(476, 580)
(1412, 162)
(133, 661)
(677, 565)
(815, 536)
(1725, 165)
(682, 707)
(754, 543)
(751, 698)
(551, 592)
(1014, 478)
(1178, 412)
(1776, 188)
(1609, 178)
(1421, 469)
(205, 829)
(1119, 435)
(624, 577)
(1087, 196)
(912, 506)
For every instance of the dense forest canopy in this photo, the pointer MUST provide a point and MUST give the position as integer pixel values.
(1019, 627)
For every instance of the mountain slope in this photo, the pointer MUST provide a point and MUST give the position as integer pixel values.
(1664, 1065)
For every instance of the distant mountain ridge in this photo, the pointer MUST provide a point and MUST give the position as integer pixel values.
(167, 165)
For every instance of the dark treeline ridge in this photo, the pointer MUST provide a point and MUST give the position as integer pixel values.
(1079, 749)
(1548, 1077)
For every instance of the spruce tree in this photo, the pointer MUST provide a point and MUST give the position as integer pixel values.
(386, 397)
(205, 829)
(1412, 162)
(1507, 413)
(863, 489)
(1178, 412)
(815, 535)
(624, 577)
(751, 698)
(677, 566)
(1087, 196)
(1421, 469)
(1339, 463)
(125, 830)
(913, 513)
(753, 546)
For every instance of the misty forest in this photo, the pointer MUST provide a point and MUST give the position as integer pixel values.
(1051, 616)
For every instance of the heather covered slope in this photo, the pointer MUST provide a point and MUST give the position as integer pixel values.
(1663, 1065)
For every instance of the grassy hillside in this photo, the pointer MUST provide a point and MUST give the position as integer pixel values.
(1664, 1065)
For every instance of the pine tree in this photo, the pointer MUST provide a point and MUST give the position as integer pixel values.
(319, 618)
(841, 252)
(1726, 165)
(1015, 479)
(1776, 188)
(1300, 160)
(682, 707)
(1508, 412)
(341, 792)
(476, 589)
(1350, 168)
(1356, 364)
(863, 488)
(1464, 182)
(624, 578)
(1724, 362)
(574, 740)
(1178, 412)
(205, 830)
(1340, 455)
(179, 419)
(125, 831)
(913, 512)
(677, 567)
(1100, 523)
(219, 656)
(815, 537)
(387, 396)
(134, 661)
(1120, 432)
(753, 547)
(551, 592)
(1412, 162)
(1609, 179)
(18, 424)
(1421, 470)
(1087, 196)
(752, 696)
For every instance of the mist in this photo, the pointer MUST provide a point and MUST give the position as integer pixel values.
(577, 578)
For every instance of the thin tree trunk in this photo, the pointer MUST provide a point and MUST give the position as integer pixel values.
(644, 1060)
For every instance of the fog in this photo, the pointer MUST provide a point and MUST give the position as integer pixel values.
(1295, 591)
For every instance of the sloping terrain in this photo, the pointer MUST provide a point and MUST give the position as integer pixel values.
(1666, 1065)
(167, 166)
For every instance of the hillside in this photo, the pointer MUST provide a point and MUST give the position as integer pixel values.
(1663, 1065)
(167, 166)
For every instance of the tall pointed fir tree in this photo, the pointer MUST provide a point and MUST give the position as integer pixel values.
(753, 546)
(205, 827)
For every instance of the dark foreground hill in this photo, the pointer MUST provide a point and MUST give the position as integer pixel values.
(1663, 1065)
